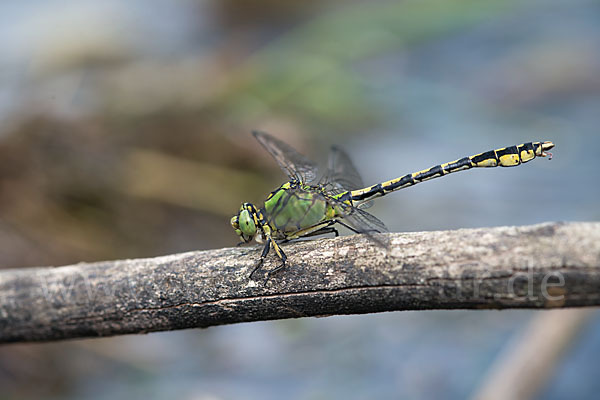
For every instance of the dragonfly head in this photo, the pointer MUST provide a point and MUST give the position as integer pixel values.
(244, 222)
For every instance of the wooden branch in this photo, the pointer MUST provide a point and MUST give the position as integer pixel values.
(539, 266)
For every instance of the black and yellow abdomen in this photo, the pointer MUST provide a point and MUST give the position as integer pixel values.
(504, 157)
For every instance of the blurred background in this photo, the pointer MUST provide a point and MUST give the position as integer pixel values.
(124, 132)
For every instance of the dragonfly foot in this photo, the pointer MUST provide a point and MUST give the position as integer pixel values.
(274, 270)
(257, 267)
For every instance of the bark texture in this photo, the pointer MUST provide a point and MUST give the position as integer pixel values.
(540, 266)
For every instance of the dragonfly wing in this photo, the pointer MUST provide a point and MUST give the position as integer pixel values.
(294, 164)
(360, 220)
(342, 171)
(342, 175)
(365, 222)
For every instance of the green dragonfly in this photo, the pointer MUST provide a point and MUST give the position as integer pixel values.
(304, 207)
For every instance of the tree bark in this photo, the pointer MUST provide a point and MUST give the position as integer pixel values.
(540, 266)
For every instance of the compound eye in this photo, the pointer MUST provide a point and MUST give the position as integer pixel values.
(235, 222)
(246, 224)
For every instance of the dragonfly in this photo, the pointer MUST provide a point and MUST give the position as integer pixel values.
(305, 207)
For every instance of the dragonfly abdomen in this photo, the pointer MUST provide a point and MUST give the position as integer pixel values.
(504, 157)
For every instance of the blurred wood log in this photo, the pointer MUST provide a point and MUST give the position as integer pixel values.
(528, 362)
(539, 266)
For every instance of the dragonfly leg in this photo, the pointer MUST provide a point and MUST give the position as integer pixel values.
(270, 243)
(281, 256)
(315, 230)
(280, 266)
(262, 257)
(322, 231)
(258, 265)
(347, 226)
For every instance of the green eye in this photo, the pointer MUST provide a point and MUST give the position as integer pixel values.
(246, 223)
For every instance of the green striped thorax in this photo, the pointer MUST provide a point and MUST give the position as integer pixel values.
(291, 208)
(295, 206)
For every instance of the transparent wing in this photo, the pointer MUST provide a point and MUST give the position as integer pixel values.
(342, 175)
(342, 172)
(294, 164)
(364, 222)
(360, 220)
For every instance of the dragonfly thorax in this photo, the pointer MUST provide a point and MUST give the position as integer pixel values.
(295, 206)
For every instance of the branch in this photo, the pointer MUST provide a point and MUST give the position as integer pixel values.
(539, 266)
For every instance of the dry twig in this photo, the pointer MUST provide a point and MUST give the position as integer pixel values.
(539, 266)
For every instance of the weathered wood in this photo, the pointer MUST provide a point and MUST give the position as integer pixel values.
(539, 266)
